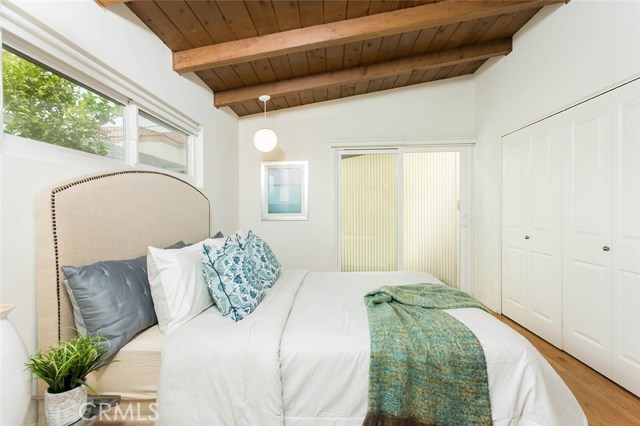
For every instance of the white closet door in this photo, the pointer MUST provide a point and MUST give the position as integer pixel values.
(531, 277)
(544, 245)
(515, 157)
(625, 248)
(587, 235)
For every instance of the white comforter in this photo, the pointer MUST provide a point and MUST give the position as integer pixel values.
(302, 358)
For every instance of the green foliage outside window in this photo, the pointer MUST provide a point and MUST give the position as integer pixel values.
(41, 105)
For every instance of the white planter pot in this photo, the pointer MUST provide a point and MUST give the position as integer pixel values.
(62, 409)
(16, 379)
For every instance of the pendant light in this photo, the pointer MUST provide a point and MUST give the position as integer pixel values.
(265, 139)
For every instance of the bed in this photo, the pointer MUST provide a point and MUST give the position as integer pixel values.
(301, 358)
(111, 216)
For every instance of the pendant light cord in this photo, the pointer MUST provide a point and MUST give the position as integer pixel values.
(265, 112)
(264, 99)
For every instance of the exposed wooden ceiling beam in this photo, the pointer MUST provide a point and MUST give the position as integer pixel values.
(383, 69)
(341, 32)
(107, 3)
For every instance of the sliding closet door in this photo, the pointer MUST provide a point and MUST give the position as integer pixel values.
(532, 265)
(625, 247)
(587, 235)
(599, 229)
(515, 164)
(544, 245)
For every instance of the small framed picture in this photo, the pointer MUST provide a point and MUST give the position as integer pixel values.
(284, 190)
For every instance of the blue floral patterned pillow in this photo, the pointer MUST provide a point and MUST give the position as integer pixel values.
(232, 280)
(265, 262)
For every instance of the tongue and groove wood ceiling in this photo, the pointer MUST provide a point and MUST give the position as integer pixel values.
(305, 51)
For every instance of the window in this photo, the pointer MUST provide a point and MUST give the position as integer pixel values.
(161, 145)
(44, 105)
(119, 120)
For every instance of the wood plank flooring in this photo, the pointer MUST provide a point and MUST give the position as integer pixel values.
(604, 402)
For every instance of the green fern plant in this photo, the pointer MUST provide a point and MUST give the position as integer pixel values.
(64, 366)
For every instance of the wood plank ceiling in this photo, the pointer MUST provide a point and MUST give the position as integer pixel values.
(306, 51)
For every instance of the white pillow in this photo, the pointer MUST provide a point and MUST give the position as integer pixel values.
(177, 286)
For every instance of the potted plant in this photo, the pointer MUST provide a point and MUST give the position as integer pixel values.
(64, 367)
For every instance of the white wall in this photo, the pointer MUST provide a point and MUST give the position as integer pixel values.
(564, 55)
(115, 37)
(435, 110)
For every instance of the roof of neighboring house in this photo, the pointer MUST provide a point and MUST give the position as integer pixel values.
(145, 135)
(115, 151)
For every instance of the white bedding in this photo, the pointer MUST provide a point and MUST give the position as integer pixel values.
(302, 359)
(219, 372)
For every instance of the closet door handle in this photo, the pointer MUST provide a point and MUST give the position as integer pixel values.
(526, 237)
(606, 248)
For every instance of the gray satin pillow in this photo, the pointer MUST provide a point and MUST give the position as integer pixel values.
(112, 299)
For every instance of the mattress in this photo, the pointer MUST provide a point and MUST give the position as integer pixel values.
(134, 372)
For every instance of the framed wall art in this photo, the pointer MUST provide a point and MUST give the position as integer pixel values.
(284, 190)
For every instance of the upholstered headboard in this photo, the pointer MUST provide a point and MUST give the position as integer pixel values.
(111, 216)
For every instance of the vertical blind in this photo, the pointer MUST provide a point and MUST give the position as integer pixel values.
(431, 229)
(369, 213)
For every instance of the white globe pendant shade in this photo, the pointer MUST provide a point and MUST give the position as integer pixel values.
(265, 140)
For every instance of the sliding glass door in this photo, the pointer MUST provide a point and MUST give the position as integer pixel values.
(400, 209)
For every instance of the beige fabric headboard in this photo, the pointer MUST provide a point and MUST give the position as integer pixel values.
(111, 216)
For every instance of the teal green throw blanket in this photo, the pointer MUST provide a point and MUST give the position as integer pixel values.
(426, 367)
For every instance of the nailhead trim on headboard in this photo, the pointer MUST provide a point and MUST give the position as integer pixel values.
(59, 189)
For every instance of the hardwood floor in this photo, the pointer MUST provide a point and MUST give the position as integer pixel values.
(604, 402)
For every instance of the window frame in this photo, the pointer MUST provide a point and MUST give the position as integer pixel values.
(30, 39)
